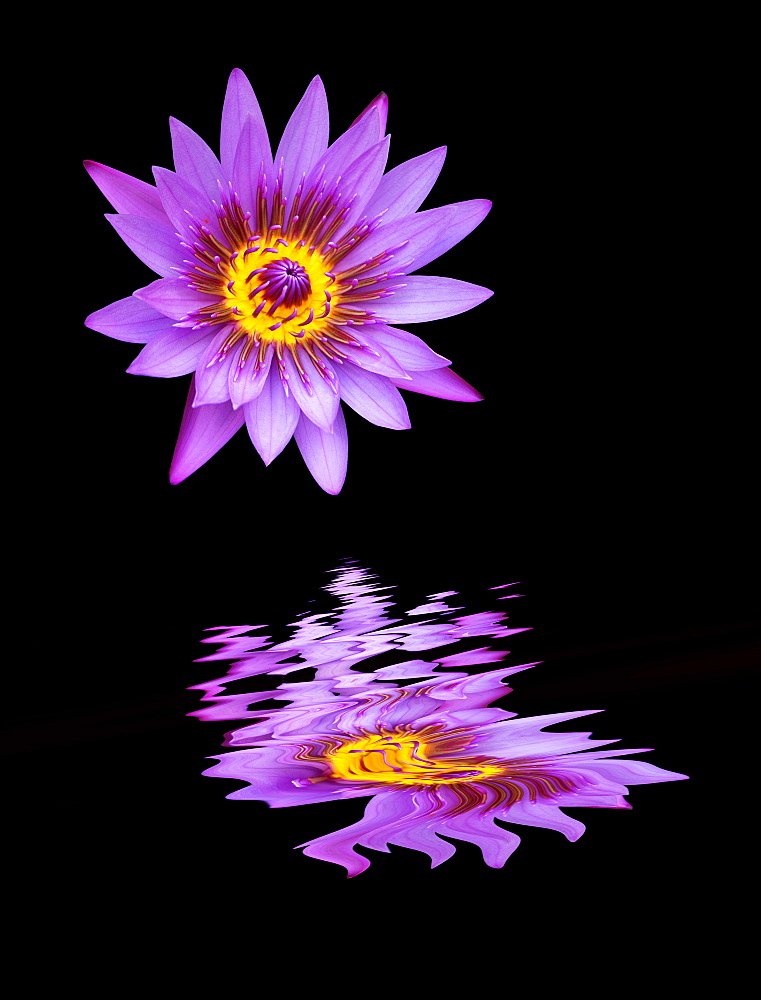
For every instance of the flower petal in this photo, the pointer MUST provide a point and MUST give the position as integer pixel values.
(381, 104)
(204, 430)
(468, 215)
(153, 242)
(442, 383)
(404, 189)
(183, 204)
(325, 454)
(251, 156)
(370, 355)
(361, 179)
(213, 373)
(127, 194)
(346, 149)
(317, 397)
(305, 138)
(410, 351)
(194, 160)
(526, 812)
(174, 352)
(408, 237)
(240, 104)
(246, 383)
(426, 298)
(373, 397)
(271, 418)
(172, 297)
(130, 320)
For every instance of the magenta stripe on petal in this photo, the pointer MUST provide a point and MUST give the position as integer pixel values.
(381, 105)
(271, 418)
(127, 194)
(155, 244)
(425, 298)
(442, 383)
(204, 430)
(130, 320)
(325, 454)
(240, 104)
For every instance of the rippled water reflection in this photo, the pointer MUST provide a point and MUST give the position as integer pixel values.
(415, 734)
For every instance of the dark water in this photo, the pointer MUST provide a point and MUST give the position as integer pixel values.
(608, 469)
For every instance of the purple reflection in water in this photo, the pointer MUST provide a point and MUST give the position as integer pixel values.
(429, 752)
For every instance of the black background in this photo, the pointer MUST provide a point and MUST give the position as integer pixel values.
(608, 469)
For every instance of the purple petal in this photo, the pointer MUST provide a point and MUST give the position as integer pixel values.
(346, 149)
(172, 297)
(370, 355)
(403, 189)
(316, 399)
(415, 232)
(174, 352)
(410, 351)
(468, 215)
(212, 375)
(381, 104)
(426, 298)
(127, 194)
(184, 204)
(361, 179)
(388, 811)
(442, 383)
(130, 320)
(373, 397)
(154, 243)
(325, 454)
(250, 380)
(240, 104)
(627, 772)
(252, 153)
(194, 161)
(204, 430)
(271, 418)
(305, 138)
(528, 813)
(479, 828)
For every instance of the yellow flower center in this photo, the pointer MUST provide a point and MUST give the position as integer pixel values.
(403, 757)
(276, 290)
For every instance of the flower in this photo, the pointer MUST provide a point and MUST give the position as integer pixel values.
(280, 277)
(435, 761)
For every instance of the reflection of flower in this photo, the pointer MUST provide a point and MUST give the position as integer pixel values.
(435, 760)
(280, 277)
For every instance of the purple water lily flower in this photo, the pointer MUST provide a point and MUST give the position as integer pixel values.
(435, 760)
(281, 278)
